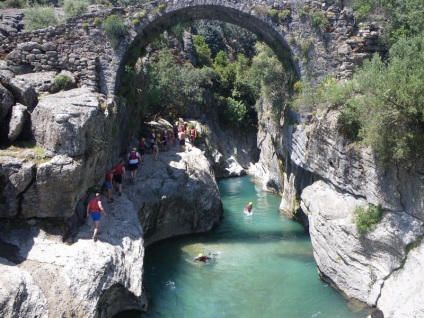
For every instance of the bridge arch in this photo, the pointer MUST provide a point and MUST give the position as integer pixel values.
(237, 13)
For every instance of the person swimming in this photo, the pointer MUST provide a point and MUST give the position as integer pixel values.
(248, 208)
(202, 258)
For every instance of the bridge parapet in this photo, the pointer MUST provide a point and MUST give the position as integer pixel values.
(319, 41)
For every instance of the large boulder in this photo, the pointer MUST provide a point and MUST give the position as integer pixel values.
(70, 122)
(6, 101)
(19, 295)
(403, 291)
(17, 121)
(44, 277)
(357, 265)
(15, 177)
(56, 190)
(24, 92)
(177, 195)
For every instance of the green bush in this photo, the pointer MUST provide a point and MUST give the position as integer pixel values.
(273, 14)
(74, 8)
(114, 28)
(62, 81)
(162, 7)
(284, 14)
(97, 21)
(40, 17)
(366, 218)
(85, 26)
(320, 20)
(2, 6)
(135, 22)
(13, 4)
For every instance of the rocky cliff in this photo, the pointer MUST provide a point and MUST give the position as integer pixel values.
(53, 268)
(322, 179)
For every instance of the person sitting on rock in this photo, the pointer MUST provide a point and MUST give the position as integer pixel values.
(133, 160)
(202, 258)
(94, 207)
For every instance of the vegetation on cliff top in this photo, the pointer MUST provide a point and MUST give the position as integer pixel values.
(230, 78)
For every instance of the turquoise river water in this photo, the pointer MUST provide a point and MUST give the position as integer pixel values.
(262, 266)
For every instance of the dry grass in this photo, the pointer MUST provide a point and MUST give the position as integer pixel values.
(25, 150)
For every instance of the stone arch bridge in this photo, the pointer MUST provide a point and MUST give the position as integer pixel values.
(315, 49)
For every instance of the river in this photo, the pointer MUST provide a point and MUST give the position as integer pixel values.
(261, 266)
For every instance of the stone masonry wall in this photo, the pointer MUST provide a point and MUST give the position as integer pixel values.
(81, 46)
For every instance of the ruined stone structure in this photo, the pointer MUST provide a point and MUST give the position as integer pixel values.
(289, 28)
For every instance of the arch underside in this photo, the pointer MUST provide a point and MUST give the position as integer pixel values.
(263, 30)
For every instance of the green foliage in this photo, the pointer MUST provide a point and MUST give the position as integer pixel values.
(135, 22)
(141, 14)
(62, 81)
(162, 7)
(40, 17)
(273, 14)
(221, 36)
(13, 4)
(305, 46)
(366, 218)
(202, 51)
(97, 21)
(284, 14)
(173, 86)
(74, 8)
(405, 16)
(320, 20)
(115, 28)
(383, 105)
(85, 26)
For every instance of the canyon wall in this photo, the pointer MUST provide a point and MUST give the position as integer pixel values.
(323, 178)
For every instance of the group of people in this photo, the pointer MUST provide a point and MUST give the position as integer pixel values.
(165, 139)
(114, 176)
(94, 206)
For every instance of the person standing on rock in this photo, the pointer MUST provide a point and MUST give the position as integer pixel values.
(193, 135)
(94, 207)
(134, 159)
(118, 175)
(182, 141)
(108, 184)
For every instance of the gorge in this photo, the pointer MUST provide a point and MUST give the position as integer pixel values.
(49, 267)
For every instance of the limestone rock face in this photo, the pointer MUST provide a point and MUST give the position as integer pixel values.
(177, 195)
(6, 102)
(69, 122)
(356, 265)
(55, 192)
(19, 295)
(17, 121)
(46, 277)
(15, 176)
(231, 153)
(403, 291)
(24, 92)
